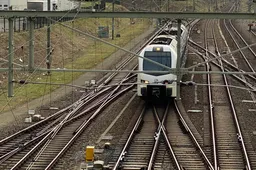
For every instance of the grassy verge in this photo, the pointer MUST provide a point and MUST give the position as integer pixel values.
(71, 50)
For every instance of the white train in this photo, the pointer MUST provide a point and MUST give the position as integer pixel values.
(163, 49)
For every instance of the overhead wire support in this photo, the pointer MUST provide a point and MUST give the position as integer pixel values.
(48, 60)
(31, 44)
(11, 54)
(178, 59)
(113, 20)
(134, 14)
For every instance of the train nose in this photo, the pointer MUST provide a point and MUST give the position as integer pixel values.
(156, 92)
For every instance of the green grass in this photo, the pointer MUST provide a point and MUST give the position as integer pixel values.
(87, 58)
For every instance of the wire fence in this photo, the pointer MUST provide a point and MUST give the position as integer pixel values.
(22, 24)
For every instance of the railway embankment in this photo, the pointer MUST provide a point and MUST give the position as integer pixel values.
(64, 95)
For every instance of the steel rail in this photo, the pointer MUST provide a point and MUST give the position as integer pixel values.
(48, 138)
(35, 148)
(89, 109)
(162, 130)
(226, 70)
(237, 124)
(67, 117)
(129, 140)
(38, 124)
(177, 164)
(60, 125)
(214, 145)
(223, 59)
(84, 98)
(124, 64)
(72, 112)
(22, 145)
(233, 111)
(236, 43)
(80, 104)
(109, 98)
(52, 133)
(251, 50)
(253, 33)
(248, 166)
(68, 121)
(77, 134)
(207, 161)
(154, 149)
(104, 103)
(157, 136)
(222, 56)
(16, 150)
(80, 130)
(230, 22)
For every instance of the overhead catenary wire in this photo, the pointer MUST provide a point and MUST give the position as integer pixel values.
(73, 20)
(25, 44)
(220, 56)
(19, 89)
(113, 45)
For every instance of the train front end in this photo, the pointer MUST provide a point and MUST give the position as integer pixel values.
(157, 85)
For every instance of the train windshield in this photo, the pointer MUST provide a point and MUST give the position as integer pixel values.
(160, 57)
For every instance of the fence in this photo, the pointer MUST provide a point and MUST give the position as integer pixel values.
(21, 23)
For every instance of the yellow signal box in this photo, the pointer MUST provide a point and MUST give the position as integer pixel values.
(89, 154)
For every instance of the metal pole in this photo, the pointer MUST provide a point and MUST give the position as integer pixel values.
(160, 6)
(93, 4)
(150, 7)
(178, 60)
(14, 20)
(216, 5)
(194, 7)
(19, 24)
(31, 45)
(249, 5)
(4, 24)
(168, 5)
(48, 60)
(113, 20)
(10, 64)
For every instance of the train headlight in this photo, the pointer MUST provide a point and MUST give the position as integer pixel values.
(145, 81)
(166, 82)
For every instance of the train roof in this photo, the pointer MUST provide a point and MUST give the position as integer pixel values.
(163, 39)
(172, 30)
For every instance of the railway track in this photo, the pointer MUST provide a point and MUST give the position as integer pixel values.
(239, 140)
(160, 139)
(57, 138)
(223, 65)
(227, 134)
(21, 140)
(43, 150)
